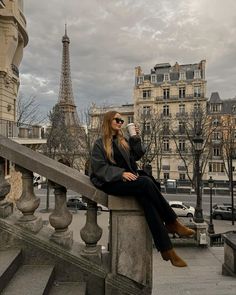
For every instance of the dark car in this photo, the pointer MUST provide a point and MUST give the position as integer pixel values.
(76, 203)
(223, 212)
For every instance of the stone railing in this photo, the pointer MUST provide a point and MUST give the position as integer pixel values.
(129, 268)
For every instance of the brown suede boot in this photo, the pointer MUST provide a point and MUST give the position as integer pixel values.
(174, 258)
(178, 228)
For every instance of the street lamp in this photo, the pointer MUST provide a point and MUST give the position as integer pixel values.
(210, 225)
(198, 142)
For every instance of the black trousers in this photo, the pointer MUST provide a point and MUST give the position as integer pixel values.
(156, 209)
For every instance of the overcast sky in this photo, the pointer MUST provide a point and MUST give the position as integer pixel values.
(109, 38)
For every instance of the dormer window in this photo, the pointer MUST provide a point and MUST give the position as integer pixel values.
(153, 78)
(140, 80)
(216, 107)
(166, 77)
(182, 75)
(234, 108)
(197, 74)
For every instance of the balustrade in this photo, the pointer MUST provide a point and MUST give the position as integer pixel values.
(61, 218)
(128, 264)
(28, 202)
(5, 207)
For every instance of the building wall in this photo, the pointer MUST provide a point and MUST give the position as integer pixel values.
(169, 87)
(13, 38)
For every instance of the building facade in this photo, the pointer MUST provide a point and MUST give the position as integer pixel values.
(170, 95)
(222, 115)
(13, 38)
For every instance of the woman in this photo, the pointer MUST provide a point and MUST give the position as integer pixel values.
(114, 171)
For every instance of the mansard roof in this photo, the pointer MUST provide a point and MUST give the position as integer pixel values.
(215, 98)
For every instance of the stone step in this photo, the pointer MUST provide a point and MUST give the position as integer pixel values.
(68, 288)
(10, 260)
(30, 280)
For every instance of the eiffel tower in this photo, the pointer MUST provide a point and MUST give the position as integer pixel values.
(66, 97)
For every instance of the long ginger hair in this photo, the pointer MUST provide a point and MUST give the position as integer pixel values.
(107, 134)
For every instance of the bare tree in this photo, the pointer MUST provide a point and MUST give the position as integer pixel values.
(151, 133)
(63, 142)
(28, 111)
(191, 125)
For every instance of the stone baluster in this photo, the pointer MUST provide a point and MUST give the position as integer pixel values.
(61, 218)
(5, 207)
(28, 202)
(91, 233)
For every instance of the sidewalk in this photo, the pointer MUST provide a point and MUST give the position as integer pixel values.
(202, 276)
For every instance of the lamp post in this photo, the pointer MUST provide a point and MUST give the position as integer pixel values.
(198, 142)
(210, 225)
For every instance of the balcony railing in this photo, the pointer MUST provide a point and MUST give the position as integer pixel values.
(122, 269)
(10, 129)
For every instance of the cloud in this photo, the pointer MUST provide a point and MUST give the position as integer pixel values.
(110, 38)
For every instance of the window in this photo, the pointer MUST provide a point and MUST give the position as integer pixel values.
(197, 74)
(182, 176)
(182, 92)
(216, 151)
(166, 111)
(146, 110)
(234, 108)
(147, 127)
(216, 135)
(216, 122)
(166, 127)
(130, 119)
(215, 107)
(197, 91)
(140, 80)
(153, 78)
(146, 94)
(181, 127)
(182, 108)
(182, 146)
(166, 175)
(196, 107)
(166, 93)
(166, 145)
(166, 77)
(182, 76)
(216, 167)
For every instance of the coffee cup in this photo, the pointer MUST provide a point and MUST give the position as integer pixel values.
(131, 129)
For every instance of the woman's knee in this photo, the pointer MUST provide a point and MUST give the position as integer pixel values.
(145, 181)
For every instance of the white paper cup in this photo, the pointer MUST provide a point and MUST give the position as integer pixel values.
(131, 129)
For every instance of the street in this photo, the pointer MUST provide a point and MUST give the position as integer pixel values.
(188, 199)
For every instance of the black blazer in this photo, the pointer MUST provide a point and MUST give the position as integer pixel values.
(102, 170)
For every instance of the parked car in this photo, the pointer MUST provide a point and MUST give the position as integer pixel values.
(76, 203)
(223, 211)
(182, 209)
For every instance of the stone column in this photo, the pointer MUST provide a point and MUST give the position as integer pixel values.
(91, 233)
(130, 248)
(28, 202)
(6, 208)
(61, 218)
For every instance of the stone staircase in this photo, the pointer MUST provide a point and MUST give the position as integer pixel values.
(23, 279)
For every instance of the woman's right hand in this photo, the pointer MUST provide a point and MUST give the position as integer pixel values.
(128, 176)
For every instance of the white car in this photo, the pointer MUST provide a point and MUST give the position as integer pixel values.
(182, 209)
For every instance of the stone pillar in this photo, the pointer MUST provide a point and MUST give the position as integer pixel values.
(6, 208)
(28, 202)
(91, 233)
(229, 265)
(61, 218)
(201, 233)
(130, 248)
